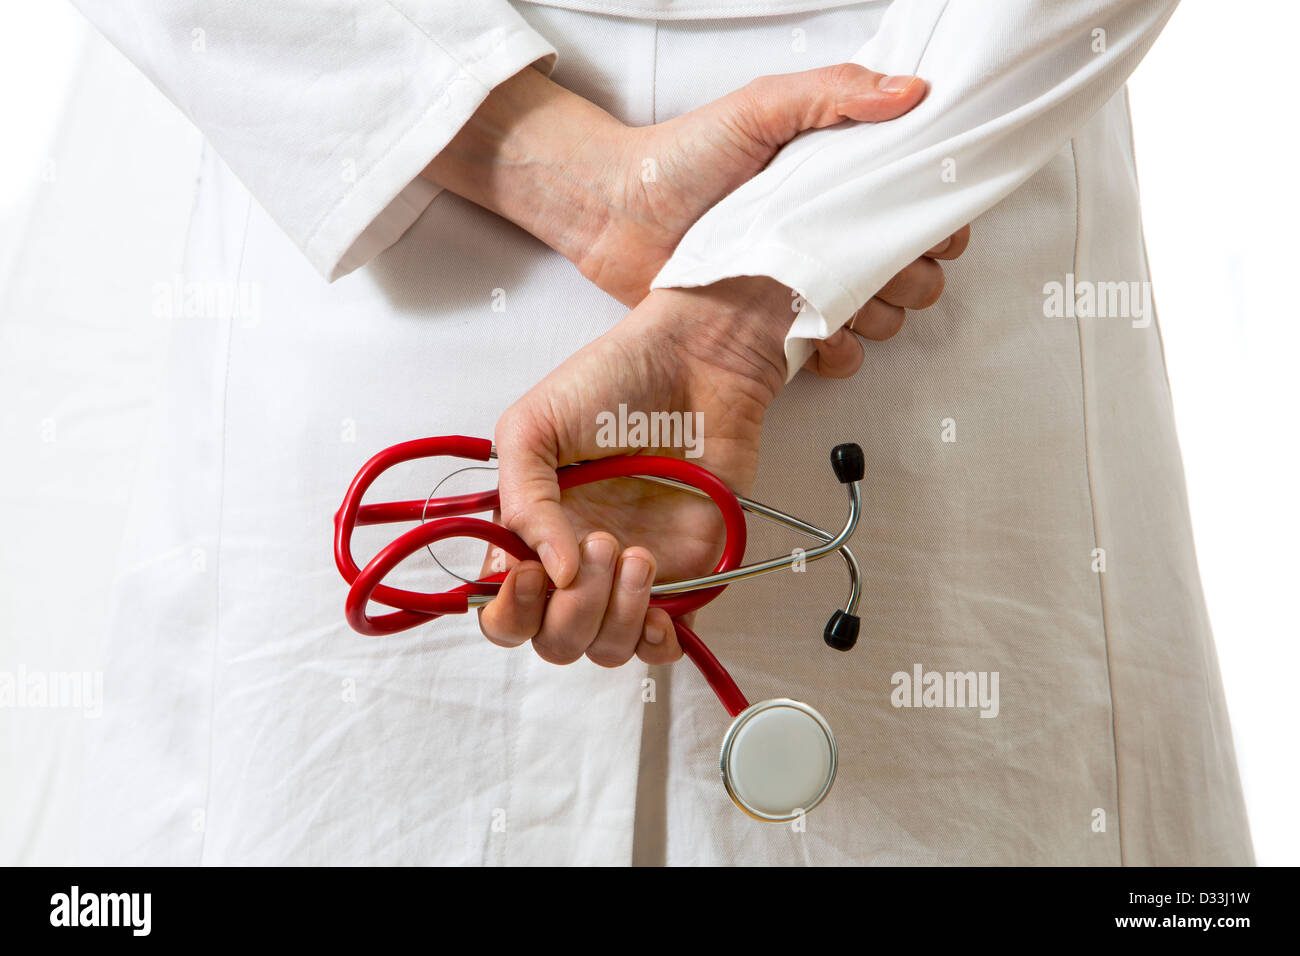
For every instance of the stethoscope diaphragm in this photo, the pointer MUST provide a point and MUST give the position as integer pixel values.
(778, 759)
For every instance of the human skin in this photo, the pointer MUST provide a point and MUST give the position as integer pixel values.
(572, 175)
(575, 177)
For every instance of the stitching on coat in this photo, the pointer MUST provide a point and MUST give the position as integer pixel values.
(221, 520)
(1092, 507)
(642, 11)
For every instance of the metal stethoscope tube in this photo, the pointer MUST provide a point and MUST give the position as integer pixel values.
(831, 543)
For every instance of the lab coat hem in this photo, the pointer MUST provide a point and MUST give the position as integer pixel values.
(827, 304)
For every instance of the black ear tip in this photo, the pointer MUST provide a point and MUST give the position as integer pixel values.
(849, 462)
(842, 631)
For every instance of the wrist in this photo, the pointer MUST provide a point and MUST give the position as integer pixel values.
(538, 155)
(737, 326)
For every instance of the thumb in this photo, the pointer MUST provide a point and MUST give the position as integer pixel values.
(530, 495)
(774, 109)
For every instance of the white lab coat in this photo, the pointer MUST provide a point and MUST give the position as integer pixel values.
(1025, 511)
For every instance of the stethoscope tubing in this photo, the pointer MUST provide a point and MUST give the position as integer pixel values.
(416, 607)
(831, 543)
(448, 518)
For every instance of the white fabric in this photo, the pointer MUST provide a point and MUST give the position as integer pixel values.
(351, 99)
(1010, 82)
(693, 9)
(417, 70)
(245, 723)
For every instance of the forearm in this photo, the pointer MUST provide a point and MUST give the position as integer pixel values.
(999, 109)
(527, 155)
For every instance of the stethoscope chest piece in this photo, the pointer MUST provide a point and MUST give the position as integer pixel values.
(778, 759)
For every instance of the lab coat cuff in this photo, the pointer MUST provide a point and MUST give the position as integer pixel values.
(387, 198)
(827, 304)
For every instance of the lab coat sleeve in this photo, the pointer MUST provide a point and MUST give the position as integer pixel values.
(327, 110)
(839, 211)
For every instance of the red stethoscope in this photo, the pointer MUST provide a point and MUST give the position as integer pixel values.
(778, 756)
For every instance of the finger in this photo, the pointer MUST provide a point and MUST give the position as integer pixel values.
(878, 320)
(573, 614)
(953, 246)
(839, 356)
(918, 286)
(530, 494)
(515, 614)
(658, 644)
(772, 109)
(624, 620)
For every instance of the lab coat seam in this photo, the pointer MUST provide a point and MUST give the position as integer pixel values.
(217, 544)
(640, 737)
(195, 194)
(1142, 236)
(638, 11)
(1092, 508)
(654, 75)
(635, 789)
(512, 666)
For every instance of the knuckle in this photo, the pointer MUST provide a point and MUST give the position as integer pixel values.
(657, 654)
(552, 654)
(894, 324)
(501, 630)
(509, 428)
(564, 640)
(500, 638)
(603, 657)
(896, 286)
(934, 286)
(840, 75)
(759, 89)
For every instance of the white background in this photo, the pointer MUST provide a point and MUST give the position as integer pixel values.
(1214, 119)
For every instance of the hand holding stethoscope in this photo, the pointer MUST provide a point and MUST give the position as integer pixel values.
(779, 756)
(718, 351)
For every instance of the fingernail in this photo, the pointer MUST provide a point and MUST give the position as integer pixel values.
(529, 586)
(655, 634)
(634, 573)
(895, 84)
(597, 553)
